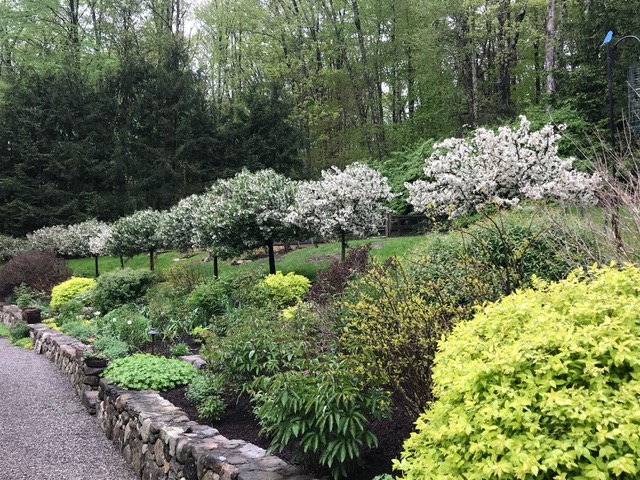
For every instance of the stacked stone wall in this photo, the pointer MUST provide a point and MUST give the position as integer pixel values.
(156, 438)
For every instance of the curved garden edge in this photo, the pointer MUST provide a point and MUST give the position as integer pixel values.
(156, 438)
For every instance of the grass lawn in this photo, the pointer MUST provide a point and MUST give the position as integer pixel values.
(4, 330)
(304, 261)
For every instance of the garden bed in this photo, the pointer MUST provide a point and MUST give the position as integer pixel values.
(239, 422)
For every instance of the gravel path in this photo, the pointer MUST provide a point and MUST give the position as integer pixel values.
(45, 433)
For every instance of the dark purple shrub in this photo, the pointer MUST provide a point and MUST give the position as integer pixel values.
(39, 270)
(332, 281)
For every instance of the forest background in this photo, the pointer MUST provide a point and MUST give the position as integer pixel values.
(111, 106)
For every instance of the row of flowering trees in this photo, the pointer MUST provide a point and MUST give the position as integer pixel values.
(257, 209)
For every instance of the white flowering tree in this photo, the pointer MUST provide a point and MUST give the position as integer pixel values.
(500, 167)
(136, 233)
(249, 211)
(345, 202)
(177, 229)
(10, 247)
(80, 237)
(53, 238)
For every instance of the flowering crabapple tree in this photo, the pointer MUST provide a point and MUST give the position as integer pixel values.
(249, 211)
(79, 238)
(177, 229)
(135, 234)
(53, 238)
(345, 202)
(500, 167)
(10, 247)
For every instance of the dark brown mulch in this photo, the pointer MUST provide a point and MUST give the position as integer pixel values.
(239, 423)
(163, 347)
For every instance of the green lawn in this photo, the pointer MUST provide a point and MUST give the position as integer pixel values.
(304, 261)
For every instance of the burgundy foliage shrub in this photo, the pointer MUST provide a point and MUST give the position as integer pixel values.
(39, 270)
(332, 281)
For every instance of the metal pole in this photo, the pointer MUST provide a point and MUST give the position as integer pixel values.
(612, 137)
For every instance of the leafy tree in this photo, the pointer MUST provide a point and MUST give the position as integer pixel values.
(252, 211)
(135, 234)
(345, 202)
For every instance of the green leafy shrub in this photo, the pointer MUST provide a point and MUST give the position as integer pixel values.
(147, 372)
(4, 330)
(39, 270)
(205, 391)
(207, 299)
(81, 330)
(179, 350)
(323, 409)
(543, 384)
(70, 289)
(183, 276)
(127, 324)
(109, 347)
(24, 296)
(72, 311)
(258, 342)
(285, 290)
(18, 331)
(393, 322)
(120, 287)
(25, 343)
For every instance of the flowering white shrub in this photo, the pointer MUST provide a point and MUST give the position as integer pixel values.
(208, 225)
(500, 167)
(347, 202)
(136, 233)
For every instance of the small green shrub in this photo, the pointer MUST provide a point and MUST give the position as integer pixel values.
(285, 290)
(24, 295)
(70, 289)
(207, 299)
(120, 287)
(4, 330)
(182, 276)
(127, 324)
(81, 330)
(110, 347)
(179, 350)
(18, 331)
(25, 343)
(205, 391)
(541, 385)
(323, 409)
(72, 311)
(258, 342)
(147, 372)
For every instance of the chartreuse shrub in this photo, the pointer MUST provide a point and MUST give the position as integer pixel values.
(120, 287)
(68, 290)
(322, 409)
(148, 372)
(285, 290)
(541, 385)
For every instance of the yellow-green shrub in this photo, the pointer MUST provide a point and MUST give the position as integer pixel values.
(69, 289)
(544, 384)
(285, 290)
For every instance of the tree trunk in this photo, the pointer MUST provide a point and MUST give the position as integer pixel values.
(96, 261)
(121, 263)
(550, 39)
(343, 252)
(272, 258)
(215, 267)
(151, 262)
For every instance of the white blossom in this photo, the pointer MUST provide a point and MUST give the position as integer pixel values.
(500, 167)
(177, 229)
(136, 233)
(55, 238)
(351, 201)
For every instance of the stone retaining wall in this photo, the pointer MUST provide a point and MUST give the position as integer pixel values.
(156, 437)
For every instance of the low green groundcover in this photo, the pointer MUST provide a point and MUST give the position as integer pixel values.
(148, 372)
